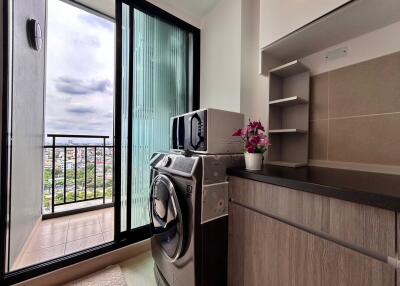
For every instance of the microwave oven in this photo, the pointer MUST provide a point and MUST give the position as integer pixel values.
(207, 131)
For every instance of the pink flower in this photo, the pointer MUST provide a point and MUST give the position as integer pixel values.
(253, 136)
(264, 142)
(251, 149)
(256, 125)
(237, 132)
(254, 140)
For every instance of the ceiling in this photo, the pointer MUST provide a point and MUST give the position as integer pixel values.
(106, 7)
(197, 8)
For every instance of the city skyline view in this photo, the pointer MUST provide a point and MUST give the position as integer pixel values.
(80, 72)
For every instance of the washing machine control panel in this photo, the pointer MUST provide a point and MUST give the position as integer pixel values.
(175, 164)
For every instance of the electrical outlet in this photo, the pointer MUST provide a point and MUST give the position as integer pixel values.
(336, 54)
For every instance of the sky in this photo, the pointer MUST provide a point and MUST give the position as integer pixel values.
(80, 71)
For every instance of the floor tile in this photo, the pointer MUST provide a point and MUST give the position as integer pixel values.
(84, 243)
(106, 216)
(83, 231)
(107, 226)
(139, 270)
(83, 221)
(80, 231)
(48, 227)
(110, 276)
(49, 239)
(108, 236)
(34, 257)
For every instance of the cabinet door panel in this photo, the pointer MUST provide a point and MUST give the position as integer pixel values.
(368, 227)
(258, 250)
(264, 251)
(299, 207)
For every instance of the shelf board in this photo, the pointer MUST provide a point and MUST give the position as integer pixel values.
(289, 101)
(291, 130)
(286, 164)
(289, 69)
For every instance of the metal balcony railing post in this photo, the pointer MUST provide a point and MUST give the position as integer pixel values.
(95, 173)
(76, 168)
(85, 173)
(53, 173)
(104, 170)
(65, 175)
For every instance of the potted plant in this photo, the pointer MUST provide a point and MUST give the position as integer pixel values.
(255, 144)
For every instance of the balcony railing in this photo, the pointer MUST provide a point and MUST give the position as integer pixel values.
(77, 176)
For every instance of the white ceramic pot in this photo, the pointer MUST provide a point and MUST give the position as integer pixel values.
(253, 161)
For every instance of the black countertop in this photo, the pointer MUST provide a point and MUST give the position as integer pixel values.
(374, 189)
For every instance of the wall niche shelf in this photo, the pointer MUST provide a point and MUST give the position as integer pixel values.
(294, 100)
(288, 103)
(291, 130)
(293, 68)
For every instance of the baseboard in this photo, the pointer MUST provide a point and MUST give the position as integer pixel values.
(375, 168)
(76, 271)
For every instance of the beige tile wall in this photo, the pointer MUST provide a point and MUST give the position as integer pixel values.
(355, 113)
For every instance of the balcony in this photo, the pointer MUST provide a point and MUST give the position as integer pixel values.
(77, 178)
(56, 237)
(77, 174)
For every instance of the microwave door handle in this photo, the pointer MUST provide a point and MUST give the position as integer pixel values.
(191, 131)
(177, 133)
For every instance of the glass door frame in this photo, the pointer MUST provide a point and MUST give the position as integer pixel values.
(194, 102)
(121, 239)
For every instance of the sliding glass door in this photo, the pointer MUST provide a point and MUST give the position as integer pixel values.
(156, 77)
(159, 79)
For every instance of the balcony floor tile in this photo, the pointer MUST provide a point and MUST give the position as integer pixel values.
(84, 243)
(60, 236)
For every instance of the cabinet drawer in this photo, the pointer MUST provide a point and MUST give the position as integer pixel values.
(264, 251)
(365, 226)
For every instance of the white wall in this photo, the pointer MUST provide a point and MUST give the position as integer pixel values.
(253, 85)
(221, 56)
(230, 57)
(28, 97)
(374, 44)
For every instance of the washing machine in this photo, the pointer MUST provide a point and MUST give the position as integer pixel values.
(189, 218)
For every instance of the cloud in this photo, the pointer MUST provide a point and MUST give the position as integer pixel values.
(96, 21)
(109, 115)
(81, 110)
(75, 86)
(82, 40)
(80, 71)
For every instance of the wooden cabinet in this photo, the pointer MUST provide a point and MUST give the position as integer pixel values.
(267, 252)
(279, 18)
(281, 236)
(371, 228)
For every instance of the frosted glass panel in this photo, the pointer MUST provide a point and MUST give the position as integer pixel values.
(124, 113)
(160, 84)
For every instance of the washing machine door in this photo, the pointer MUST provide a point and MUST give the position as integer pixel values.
(166, 217)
